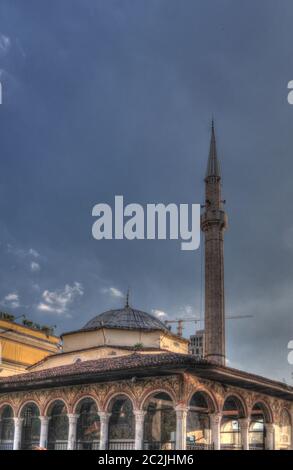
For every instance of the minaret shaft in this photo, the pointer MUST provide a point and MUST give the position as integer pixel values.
(213, 225)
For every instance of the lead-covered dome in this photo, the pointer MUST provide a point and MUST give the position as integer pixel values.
(126, 318)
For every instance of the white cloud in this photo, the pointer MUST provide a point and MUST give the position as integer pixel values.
(21, 253)
(186, 311)
(32, 252)
(113, 292)
(58, 301)
(35, 267)
(159, 314)
(4, 44)
(11, 300)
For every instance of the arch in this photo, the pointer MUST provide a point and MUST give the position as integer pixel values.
(265, 409)
(213, 405)
(7, 403)
(198, 429)
(285, 429)
(239, 401)
(31, 425)
(285, 412)
(159, 421)
(260, 415)
(88, 424)
(233, 409)
(121, 432)
(6, 427)
(112, 397)
(49, 404)
(148, 393)
(27, 402)
(84, 397)
(58, 425)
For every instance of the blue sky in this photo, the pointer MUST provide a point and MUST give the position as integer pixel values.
(104, 97)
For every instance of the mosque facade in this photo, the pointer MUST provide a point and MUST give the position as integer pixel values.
(125, 381)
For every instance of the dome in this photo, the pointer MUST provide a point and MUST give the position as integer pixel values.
(126, 318)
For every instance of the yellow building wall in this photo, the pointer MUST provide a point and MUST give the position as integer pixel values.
(63, 359)
(174, 344)
(130, 338)
(21, 347)
(91, 345)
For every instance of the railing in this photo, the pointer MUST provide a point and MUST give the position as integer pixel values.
(199, 446)
(256, 447)
(120, 445)
(29, 445)
(57, 445)
(87, 445)
(231, 447)
(157, 445)
(6, 445)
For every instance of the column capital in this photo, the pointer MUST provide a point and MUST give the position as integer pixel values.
(244, 423)
(181, 407)
(45, 419)
(17, 420)
(215, 418)
(139, 413)
(104, 415)
(72, 417)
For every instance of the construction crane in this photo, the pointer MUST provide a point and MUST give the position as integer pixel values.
(180, 321)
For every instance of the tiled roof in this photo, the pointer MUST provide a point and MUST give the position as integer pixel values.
(97, 366)
(143, 365)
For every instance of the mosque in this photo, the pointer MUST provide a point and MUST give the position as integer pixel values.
(125, 381)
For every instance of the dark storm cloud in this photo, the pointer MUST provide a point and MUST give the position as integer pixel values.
(115, 97)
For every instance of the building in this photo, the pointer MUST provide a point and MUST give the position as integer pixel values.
(197, 344)
(124, 381)
(22, 345)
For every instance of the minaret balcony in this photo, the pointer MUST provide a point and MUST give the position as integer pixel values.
(214, 217)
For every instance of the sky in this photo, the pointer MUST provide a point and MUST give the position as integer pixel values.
(115, 97)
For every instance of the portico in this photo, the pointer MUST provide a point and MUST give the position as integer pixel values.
(140, 409)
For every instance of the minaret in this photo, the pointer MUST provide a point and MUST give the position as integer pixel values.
(213, 225)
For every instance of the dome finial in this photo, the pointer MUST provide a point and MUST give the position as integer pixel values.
(127, 298)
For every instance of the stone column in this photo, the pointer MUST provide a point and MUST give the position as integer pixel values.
(181, 416)
(104, 418)
(72, 431)
(244, 429)
(139, 424)
(44, 431)
(17, 433)
(270, 436)
(215, 420)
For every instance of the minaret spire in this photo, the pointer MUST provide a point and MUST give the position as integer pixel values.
(213, 225)
(127, 299)
(213, 166)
